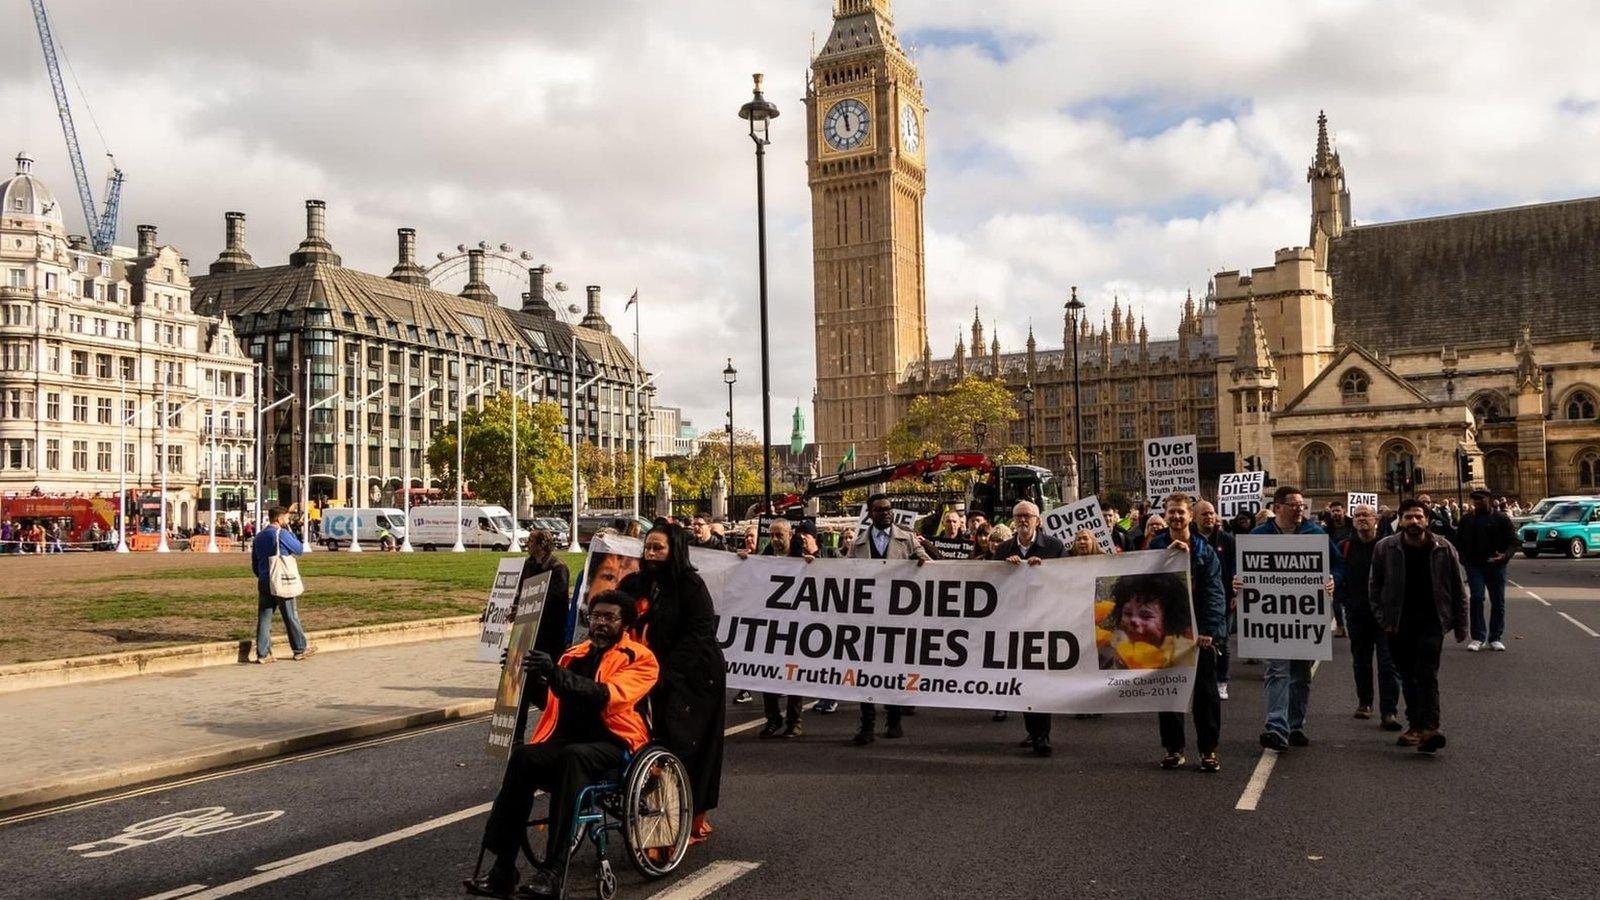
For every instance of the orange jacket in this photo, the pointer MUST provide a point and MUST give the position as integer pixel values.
(630, 672)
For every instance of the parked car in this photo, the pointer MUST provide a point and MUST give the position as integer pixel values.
(1569, 528)
(559, 530)
(1539, 510)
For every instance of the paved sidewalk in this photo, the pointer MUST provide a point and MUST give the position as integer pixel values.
(77, 739)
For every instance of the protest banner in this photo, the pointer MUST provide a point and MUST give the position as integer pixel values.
(1284, 613)
(970, 635)
(505, 723)
(1239, 492)
(1171, 465)
(905, 518)
(1354, 498)
(1065, 522)
(497, 613)
(952, 548)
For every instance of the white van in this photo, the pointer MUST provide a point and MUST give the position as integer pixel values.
(369, 522)
(482, 527)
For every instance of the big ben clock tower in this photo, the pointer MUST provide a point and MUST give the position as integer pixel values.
(864, 115)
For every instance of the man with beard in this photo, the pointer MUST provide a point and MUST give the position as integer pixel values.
(1418, 594)
(1487, 541)
(589, 723)
(702, 536)
(1366, 636)
(882, 539)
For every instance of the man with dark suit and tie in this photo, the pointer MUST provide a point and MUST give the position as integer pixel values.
(1028, 543)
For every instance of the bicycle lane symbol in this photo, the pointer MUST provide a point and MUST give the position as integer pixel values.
(206, 820)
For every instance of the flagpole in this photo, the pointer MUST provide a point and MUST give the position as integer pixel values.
(637, 418)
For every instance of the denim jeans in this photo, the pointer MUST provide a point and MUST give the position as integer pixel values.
(265, 603)
(1492, 578)
(1288, 686)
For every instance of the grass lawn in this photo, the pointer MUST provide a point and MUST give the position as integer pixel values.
(77, 604)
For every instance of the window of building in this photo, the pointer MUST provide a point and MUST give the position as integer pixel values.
(17, 453)
(1353, 386)
(1316, 466)
(80, 456)
(102, 456)
(80, 408)
(1206, 421)
(75, 323)
(1125, 427)
(52, 406)
(52, 453)
(128, 461)
(126, 366)
(102, 365)
(1489, 407)
(1588, 466)
(1125, 390)
(80, 363)
(1580, 406)
(1398, 457)
(1164, 423)
(16, 356)
(18, 278)
(1164, 391)
(175, 459)
(127, 411)
(102, 410)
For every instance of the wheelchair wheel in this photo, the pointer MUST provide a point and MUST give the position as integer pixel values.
(657, 809)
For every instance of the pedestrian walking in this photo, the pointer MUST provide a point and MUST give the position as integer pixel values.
(1211, 626)
(1288, 681)
(677, 621)
(1419, 594)
(1029, 544)
(275, 540)
(553, 634)
(883, 539)
(1367, 639)
(1486, 540)
(1209, 526)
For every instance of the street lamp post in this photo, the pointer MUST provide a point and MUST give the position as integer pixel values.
(461, 440)
(211, 545)
(516, 400)
(730, 375)
(361, 469)
(638, 420)
(759, 112)
(572, 428)
(165, 461)
(122, 452)
(305, 486)
(1027, 398)
(1074, 311)
(405, 450)
(260, 453)
(980, 430)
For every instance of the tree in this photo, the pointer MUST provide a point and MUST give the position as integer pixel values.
(942, 423)
(691, 476)
(543, 459)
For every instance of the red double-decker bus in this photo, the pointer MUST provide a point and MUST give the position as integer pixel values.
(73, 514)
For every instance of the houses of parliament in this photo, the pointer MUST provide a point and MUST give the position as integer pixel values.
(1369, 349)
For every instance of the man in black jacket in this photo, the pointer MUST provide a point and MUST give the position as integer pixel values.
(552, 634)
(1366, 637)
(1487, 540)
(1028, 543)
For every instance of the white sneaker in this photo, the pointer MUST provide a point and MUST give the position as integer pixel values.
(1474, 646)
(1497, 645)
(1222, 692)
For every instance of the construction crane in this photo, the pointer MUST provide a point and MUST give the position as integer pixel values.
(102, 225)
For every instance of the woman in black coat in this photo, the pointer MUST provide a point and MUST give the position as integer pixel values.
(677, 621)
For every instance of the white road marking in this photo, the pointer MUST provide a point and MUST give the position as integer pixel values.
(206, 820)
(1584, 628)
(175, 893)
(1528, 592)
(1257, 785)
(707, 881)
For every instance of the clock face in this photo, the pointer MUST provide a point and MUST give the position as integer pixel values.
(846, 125)
(910, 130)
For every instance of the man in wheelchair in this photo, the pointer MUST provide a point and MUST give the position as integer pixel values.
(589, 725)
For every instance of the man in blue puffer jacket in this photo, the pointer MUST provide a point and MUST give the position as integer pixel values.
(1211, 627)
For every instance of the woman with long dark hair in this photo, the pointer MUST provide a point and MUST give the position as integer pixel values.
(677, 621)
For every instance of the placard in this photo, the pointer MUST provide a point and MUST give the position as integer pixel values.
(1064, 522)
(905, 518)
(498, 612)
(1239, 492)
(1353, 498)
(952, 548)
(1284, 613)
(506, 720)
(1171, 465)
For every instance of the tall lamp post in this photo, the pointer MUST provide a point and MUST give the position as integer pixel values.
(1074, 311)
(639, 431)
(405, 450)
(759, 112)
(260, 452)
(122, 452)
(516, 481)
(1027, 398)
(361, 469)
(165, 461)
(305, 486)
(461, 440)
(730, 376)
(572, 428)
(211, 545)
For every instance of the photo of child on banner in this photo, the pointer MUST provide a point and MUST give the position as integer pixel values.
(1144, 621)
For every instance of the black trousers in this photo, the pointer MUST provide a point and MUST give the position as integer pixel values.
(869, 715)
(1416, 658)
(1367, 641)
(1207, 707)
(1037, 724)
(790, 713)
(559, 768)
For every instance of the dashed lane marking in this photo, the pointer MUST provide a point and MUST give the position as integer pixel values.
(1257, 785)
(1528, 592)
(175, 893)
(1582, 627)
(707, 881)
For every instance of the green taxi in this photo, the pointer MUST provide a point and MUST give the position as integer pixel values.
(1571, 528)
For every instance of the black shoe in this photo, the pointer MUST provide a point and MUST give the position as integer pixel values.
(1041, 747)
(999, 716)
(1391, 722)
(1027, 742)
(742, 697)
(863, 737)
(771, 730)
(1173, 760)
(826, 707)
(1209, 763)
(544, 883)
(893, 731)
(1274, 741)
(1299, 739)
(792, 730)
(496, 882)
(1431, 743)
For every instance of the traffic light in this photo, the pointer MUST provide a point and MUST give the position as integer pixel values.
(1390, 482)
(1416, 478)
(1467, 474)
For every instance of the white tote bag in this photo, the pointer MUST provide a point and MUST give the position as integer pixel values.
(283, 573)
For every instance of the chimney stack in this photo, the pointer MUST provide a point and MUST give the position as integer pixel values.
(406, 269)
(593, 318)
(233, 258)
(533, 301)
(147, 240)
(477, 288)
(315, 248)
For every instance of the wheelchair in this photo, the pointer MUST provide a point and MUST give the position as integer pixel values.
(648, 803)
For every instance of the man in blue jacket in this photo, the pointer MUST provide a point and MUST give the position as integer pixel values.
(1211, 628)
(275, 540)
(1288, 681)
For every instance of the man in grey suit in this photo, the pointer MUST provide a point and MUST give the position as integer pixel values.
(882, 539)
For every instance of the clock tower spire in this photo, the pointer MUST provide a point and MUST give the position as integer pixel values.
(865, 165)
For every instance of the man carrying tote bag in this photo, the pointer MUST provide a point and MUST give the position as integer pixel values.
(272, 559)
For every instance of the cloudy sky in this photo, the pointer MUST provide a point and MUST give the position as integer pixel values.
(1125, 146)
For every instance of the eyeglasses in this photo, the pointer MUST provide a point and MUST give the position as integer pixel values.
(1293, 505)
(605, 617)
(1023, 516)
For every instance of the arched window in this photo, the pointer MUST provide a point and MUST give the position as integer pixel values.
(1353, 386)
(1398, 456)
(1588, 466)
(1500, 472)
(1316, 466)
(1580, 406)
(1489, 407)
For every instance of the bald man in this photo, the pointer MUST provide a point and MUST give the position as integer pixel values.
(1031, 545)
